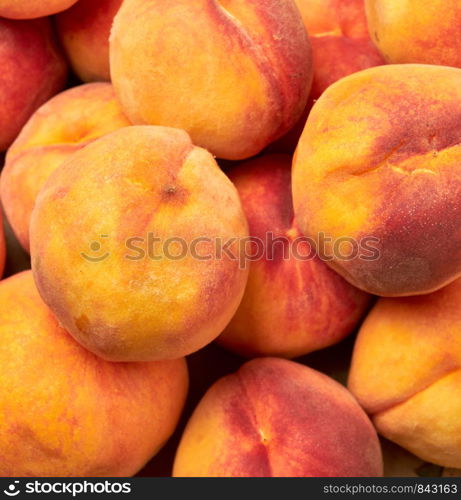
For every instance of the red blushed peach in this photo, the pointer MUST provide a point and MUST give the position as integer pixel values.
(66, 412)
(59, 128)
(234, 74)
(84, 31)
(293, 303)
(379, 162)
(135, 245)
(33, 70)
(278, 418)
(341, 46)
(30, 9)
(406, 373)
(416, 31)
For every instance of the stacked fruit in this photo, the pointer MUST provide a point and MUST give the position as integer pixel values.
(164, 208)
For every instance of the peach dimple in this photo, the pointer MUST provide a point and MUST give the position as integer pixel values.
(278, 418)
(139, 277)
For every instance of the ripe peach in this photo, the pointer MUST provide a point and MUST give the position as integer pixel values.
(380, 161)
(340, 41)
(278, 418)
(66, 412)
(406, 372)
(33, 70)
(30, 9)
(63, 125)
(416, 31)
(293, 303)
(164, 284)
(84, 31)
(234, 74)
(2, 246)
(341, 46)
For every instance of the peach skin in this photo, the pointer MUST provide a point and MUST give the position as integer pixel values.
(277, 418)
(416, 31)
(62, 126)
(293, 303)
(33, 70)
(341, 46)
(379, 163)
(30, 9)
(135, 245)
(235, 74)
(415, 342)
(64, 411)
(84, 31)
(2, 246)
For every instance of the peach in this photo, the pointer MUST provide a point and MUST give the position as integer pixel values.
(406, 372)
(341, 46)
(30, 9)
(293, 303)
(33, 70)
(84, 31)
(340, 41)
(278, 418)
(66, 412)
(135, 244)
(2, 246)
(416, 31)
(234, 74)
(379, 164)
(63, 125)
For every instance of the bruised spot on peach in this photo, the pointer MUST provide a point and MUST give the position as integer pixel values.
(293, 303)
(278, 418)
(136, 182)
(244, 77)
(84, 417)
(395, 180)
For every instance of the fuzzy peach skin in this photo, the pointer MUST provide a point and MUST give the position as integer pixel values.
(416, 31)
(62, 126)
(380, 159)
(30, 9)
(33, 70)
(66, 412)
(235, 74)
(140, 182)
(415, 343)
(340, 41)
(277, 418)
(84, 31)
(2, 246)
(293, 303)
(341, 46)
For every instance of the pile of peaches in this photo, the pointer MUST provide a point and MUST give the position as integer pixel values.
(270, 176)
